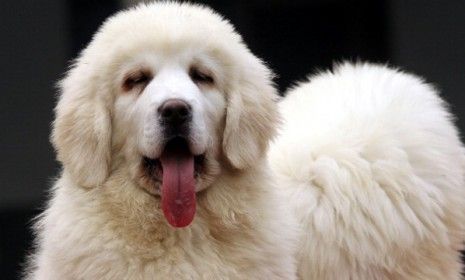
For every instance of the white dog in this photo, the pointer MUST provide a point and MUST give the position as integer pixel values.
(163, 127)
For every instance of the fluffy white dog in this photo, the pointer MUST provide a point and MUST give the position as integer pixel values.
(163, 127)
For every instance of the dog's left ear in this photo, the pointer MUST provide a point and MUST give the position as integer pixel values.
(251, 115)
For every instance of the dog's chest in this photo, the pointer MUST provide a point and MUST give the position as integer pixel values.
(176, 257)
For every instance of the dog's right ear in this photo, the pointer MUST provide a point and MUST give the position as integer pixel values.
(81, 131)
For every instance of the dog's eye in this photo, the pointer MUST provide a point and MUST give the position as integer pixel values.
(199, 76)
(136, 80)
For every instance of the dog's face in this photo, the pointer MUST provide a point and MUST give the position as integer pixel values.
(170, 94)
(167, 118)
(175, 101)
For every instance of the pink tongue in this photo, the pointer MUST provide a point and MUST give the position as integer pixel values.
(178, 188)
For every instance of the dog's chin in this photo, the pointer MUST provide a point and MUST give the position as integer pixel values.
(151, 169)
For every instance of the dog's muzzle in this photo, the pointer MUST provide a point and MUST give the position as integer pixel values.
(178, 198)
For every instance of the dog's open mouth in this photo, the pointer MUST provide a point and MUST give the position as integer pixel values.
(177, 169)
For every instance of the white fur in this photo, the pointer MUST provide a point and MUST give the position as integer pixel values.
(364, 181)
(373, 168)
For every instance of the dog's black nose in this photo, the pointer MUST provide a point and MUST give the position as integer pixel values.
(175, 112)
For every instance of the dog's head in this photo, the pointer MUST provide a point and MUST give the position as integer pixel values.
(170, 93)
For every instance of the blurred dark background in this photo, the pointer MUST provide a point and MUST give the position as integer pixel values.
(294, 37)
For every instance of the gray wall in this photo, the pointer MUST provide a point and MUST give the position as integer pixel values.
(428, 38)
(32, 50)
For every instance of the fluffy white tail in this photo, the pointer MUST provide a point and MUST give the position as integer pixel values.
(372, 166)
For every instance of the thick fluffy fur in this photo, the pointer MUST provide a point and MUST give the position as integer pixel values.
(364, 181)
(374, 168)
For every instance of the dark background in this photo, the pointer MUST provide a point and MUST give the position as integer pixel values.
(294, 37)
